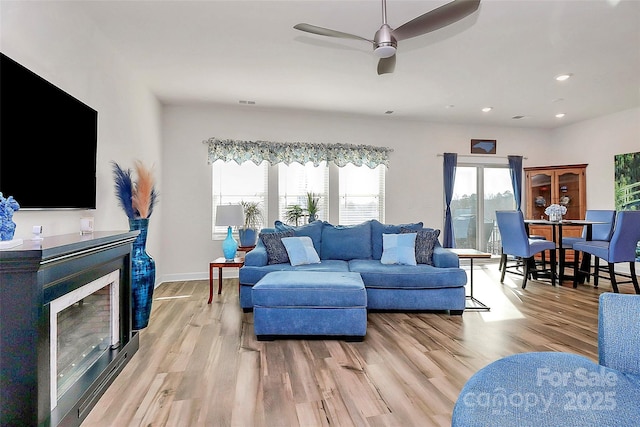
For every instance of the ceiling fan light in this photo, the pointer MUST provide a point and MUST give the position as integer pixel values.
(385, 51)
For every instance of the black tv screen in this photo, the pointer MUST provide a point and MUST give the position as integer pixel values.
(48, 142)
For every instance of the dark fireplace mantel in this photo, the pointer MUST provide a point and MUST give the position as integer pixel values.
(31, 276)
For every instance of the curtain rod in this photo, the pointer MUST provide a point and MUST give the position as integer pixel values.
(491, 156)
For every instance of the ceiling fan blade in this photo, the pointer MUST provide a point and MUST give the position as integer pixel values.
(436, 19)
(327, 32)
(387, 65)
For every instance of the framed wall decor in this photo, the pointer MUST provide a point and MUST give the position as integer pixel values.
(483, 146)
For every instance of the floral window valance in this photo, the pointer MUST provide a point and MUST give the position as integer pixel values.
(301, 152)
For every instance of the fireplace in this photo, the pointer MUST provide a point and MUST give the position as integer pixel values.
(69, 299)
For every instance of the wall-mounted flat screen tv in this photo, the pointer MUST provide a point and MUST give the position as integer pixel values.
(48, 142)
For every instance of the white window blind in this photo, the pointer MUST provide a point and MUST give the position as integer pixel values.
(361, 194)
(233, 183)
(296, 180)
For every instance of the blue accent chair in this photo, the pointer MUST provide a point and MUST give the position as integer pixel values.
(515, 242)
(621, 248)
(600, 232)
(563, 389)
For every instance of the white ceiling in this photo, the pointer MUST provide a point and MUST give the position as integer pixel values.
(505, 56)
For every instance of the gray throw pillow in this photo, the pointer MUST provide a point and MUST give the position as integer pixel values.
(276, 252)
(425, 242)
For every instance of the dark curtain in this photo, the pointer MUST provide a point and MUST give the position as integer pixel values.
(450, 161)
(515, 168)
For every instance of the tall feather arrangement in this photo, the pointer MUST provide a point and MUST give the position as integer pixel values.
(138, 198)
(145, 196)
(124, 189)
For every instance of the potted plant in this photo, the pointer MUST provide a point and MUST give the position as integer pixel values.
(253, 218)
(312, 206)
(293, 214)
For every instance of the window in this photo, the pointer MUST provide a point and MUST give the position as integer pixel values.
(233, 183)
(361, 192)
(348, 195)
(479, 191)
(296, 180)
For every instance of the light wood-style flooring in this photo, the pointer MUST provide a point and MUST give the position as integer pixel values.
(199, 364)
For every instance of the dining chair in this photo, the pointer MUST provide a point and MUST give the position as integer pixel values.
(600, 232)
(621, 248)
(515, 242)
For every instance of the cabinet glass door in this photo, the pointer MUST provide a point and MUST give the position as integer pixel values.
(569, 194)
(540, 194)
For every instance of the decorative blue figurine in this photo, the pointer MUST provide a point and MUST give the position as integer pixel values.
(7, 208)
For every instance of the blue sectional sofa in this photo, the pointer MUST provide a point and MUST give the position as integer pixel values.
(439, 285)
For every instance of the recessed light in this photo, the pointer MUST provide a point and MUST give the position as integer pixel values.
(389, 112)
(518, 117)
(560, 115)
(563, 77)
(487, 109)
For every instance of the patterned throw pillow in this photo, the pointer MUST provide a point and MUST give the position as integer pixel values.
(425, 242)
(276, 252)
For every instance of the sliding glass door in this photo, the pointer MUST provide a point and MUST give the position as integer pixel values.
(478, 192)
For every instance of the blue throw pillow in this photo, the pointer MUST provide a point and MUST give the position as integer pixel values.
(313, 230)
(399, 249)
(300, 250)
(346, 242)
(378, 229)
(276, 252)
(425, 242)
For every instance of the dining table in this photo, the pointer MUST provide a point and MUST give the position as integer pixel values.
(556, 234)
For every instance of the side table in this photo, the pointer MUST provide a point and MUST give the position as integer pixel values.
(221, 263)
(471, 254)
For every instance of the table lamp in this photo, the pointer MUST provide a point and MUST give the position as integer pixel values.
(229, 215)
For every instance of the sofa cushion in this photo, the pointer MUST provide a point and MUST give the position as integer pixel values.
(389, 276)
(313, 230)
(425, 242)
(378, 229)
(346, 242)
(399, 249)
(276, 252)
(300, 250)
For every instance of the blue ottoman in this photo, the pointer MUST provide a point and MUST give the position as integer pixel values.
(310, 303)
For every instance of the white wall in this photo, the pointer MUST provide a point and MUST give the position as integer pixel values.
(596, 142)
(414, 178)
(53, 41)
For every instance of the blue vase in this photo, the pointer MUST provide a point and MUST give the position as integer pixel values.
(229, 246)
(143, 275)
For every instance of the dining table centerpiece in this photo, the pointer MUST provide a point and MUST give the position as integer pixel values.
(555, 212)
(138, 198)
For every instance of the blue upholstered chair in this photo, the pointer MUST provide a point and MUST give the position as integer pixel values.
(621, 248)
(600, 232)
(563, 389)
(515, 242)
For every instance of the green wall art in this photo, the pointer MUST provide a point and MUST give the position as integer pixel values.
(627, 185)
(627, 181)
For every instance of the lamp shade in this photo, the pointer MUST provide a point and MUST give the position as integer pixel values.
(229, 215)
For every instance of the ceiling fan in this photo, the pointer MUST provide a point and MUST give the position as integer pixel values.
(385, 41)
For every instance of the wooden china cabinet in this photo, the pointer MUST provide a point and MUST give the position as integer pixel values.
(563, 185)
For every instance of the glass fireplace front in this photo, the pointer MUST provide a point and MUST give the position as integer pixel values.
(84, 325)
